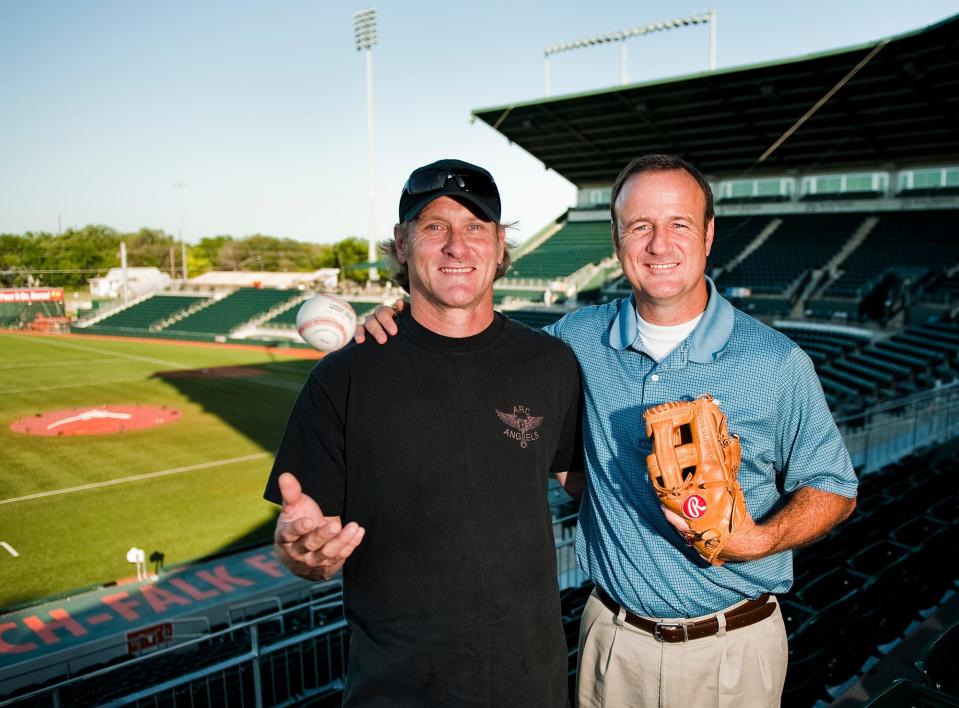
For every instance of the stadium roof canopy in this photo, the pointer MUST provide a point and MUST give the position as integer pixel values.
(894, 103)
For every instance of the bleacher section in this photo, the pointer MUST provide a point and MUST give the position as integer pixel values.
(233, 310)
(916, 240)
(929, 192)
(287, 318)
(856, 372)
(575, 245)
(944, 290)
(860, 591)
(535, 318)
(756, 199)
(141, 315)
(840, 196)
(801, 243)
(732, 234)
(500, 294)
(848, 609)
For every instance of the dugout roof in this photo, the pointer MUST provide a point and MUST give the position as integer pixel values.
(900, 108)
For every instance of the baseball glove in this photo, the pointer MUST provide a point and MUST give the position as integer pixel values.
(693, 468)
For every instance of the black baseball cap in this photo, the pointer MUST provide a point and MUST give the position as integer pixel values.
(450, 178)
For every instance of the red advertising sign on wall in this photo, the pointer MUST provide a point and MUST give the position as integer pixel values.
(31, 295)
(149, 637)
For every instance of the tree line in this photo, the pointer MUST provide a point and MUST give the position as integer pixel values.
(77, 255)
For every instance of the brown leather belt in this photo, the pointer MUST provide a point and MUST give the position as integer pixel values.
(742, 616)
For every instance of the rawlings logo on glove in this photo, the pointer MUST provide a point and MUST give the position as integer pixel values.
(693, 468)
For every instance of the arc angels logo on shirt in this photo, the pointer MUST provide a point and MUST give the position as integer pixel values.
(522, 424)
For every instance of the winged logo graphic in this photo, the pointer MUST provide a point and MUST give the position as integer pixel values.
(522, 423)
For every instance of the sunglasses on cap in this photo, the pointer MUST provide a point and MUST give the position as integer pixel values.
(434, 179)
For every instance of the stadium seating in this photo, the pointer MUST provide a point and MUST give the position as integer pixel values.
(732, 234)
(855, 606)
(937, 663)
(929, 192)
(287, 318)
(145, 313)
(840, 196)
(575, 245)
(902, 693)
(801, 243)
(312, 667)
(857, 372)
(931, 239)
(232, 311)
(942, 290)
(755, 199)
(500, 294)
(535, 318)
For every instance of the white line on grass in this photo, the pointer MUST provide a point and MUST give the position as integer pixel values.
(133, 357)
(266, 381)
(136, 477)
(64, 362)
(9, 548)
(59, 387)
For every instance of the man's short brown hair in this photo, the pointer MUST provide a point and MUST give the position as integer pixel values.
(658, 163)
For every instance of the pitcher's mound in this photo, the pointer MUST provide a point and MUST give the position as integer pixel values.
(95, 420)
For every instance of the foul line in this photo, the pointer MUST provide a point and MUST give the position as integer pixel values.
(61, 387)
(120, 355)
(9, 548)
(66, 362)
(136, 477)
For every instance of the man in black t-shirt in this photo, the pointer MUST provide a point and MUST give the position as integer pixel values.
(429, 492)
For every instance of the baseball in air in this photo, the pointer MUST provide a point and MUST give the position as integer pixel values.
(326, 322)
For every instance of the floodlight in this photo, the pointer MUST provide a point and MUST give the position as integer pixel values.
(623, 35)
(364, 34)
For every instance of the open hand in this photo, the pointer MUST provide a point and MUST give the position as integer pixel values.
(311, 545)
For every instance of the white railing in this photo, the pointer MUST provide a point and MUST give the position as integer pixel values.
(888, 432)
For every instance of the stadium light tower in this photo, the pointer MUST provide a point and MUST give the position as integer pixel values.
(623, 35)
(179, 187)
(364, 30)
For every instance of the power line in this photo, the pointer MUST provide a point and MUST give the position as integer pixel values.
(49, 270)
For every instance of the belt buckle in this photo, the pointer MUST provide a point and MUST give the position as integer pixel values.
(669, 625)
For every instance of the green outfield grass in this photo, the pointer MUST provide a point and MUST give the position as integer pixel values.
(78, 538)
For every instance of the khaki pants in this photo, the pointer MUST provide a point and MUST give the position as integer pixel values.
(621, 665)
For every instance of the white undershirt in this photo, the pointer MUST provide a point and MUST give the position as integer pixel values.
(660, 340)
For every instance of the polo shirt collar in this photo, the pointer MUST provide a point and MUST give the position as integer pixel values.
(706, 341)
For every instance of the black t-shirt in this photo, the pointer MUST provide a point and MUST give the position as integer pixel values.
(441, 448)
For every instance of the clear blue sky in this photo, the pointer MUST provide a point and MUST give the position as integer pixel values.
(258, 108)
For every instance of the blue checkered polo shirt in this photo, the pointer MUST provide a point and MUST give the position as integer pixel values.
(773, 400)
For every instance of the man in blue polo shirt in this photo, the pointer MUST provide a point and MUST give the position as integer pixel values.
(675, 338)
(664, 628)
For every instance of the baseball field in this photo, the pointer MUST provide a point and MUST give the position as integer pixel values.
(112, 444)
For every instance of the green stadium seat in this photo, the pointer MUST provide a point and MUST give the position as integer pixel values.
(937, 662)
(236, 308)
(147, 312)
(903, 693)
(575, 245)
